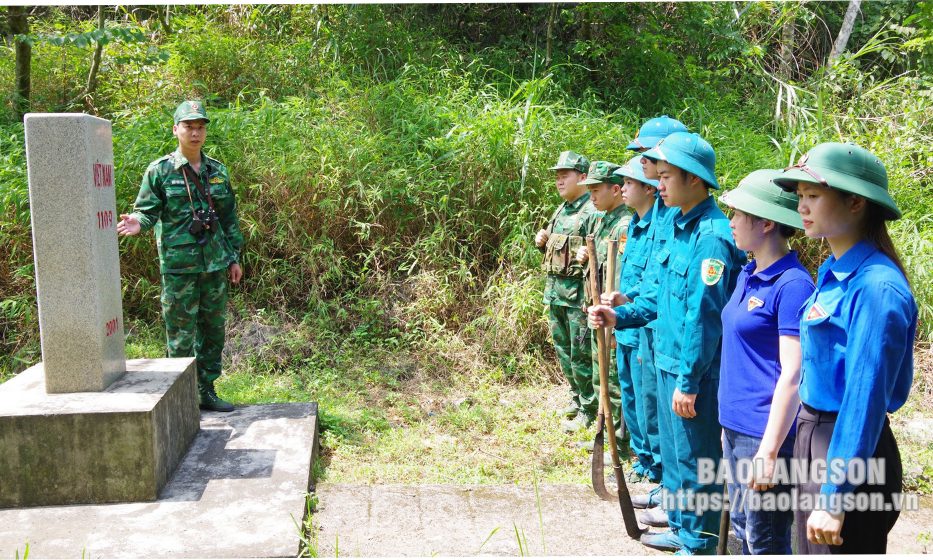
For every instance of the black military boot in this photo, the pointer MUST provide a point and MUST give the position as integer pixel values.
(208, 400)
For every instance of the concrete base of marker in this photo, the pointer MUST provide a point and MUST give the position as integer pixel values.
(238, 493)
(119, 445)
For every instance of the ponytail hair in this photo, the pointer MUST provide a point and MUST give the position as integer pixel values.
(876, 230)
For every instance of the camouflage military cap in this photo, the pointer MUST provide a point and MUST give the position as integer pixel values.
(601, 172)
(570, 160)
(190, 111)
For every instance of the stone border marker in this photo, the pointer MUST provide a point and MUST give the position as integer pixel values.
(73, 204)
(70, 432)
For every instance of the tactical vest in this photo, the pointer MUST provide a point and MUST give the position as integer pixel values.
(561, 249)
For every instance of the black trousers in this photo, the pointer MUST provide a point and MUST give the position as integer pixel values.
(863, 532)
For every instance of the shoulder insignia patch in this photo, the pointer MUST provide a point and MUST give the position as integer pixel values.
(712, 271)
(754, 302)
(216, 180)
(816, 312)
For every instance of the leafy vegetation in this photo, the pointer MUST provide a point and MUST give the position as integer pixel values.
(390, 168)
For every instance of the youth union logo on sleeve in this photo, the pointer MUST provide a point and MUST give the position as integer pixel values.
(816, 312)
(712, 271)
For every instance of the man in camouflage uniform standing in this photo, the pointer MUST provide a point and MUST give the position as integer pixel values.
(609, 222)
(563, 291)
(187, 198)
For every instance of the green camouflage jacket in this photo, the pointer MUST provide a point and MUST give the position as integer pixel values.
(163, 204)
(606, 226)
(564, 283)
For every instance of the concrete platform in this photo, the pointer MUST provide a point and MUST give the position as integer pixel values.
(118, 445)
(234, 494)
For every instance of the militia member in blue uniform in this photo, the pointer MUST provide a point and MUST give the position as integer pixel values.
(701, 266)
(187, 198)
(638, 308)
(563, 289)
(760, 373)
(856, 335)
(638, 193)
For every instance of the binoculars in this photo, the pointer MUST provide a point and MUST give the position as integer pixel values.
(202, 223)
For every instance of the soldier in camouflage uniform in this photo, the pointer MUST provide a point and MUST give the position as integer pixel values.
(609, 222)
(187, 198)
(563, 291)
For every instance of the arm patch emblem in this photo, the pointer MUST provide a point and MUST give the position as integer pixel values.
(712, 270)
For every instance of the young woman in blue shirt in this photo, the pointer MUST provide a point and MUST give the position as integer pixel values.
(760, 373)
(856, 337)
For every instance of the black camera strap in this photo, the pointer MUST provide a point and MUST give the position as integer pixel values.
(197, 183)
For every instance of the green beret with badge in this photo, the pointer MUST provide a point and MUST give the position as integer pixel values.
(602, 172)
(191, 111)
(846, 167)
(759, 196)
(571, 160)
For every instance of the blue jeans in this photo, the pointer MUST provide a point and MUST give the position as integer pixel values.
(761, 532)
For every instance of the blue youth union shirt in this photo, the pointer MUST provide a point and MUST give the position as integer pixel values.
(763, 307)
(857, 338)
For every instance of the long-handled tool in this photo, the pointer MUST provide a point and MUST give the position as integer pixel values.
(723, 547)
(604, 420)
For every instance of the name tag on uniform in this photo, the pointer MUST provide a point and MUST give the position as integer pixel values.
(178, 181)
(754, 302)
(816, 312)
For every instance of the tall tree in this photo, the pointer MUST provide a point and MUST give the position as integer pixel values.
(550, 34)
(787, 42)
(19, 25)
(848, 23)
(95, 63)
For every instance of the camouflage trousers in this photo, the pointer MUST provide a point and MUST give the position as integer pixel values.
(193, 308)
(572, 342)
(615, 395)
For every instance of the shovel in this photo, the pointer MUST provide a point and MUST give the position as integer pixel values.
(604, 421)
(723, 547)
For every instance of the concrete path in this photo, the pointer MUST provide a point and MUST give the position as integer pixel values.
(481, 520)
(455, 520)
(233, 496)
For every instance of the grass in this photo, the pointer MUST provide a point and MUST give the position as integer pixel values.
(406, 414)
(388, 419)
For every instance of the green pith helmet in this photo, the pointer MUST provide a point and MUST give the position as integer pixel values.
(758, 195)
(846, 167)
(601, 172)
(570, 160)
(633, 170)
(690, 152)
(190, 111)
(655, 130)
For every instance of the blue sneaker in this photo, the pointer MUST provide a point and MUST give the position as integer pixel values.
(668, 541)
(687, 551)
(649, 500)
